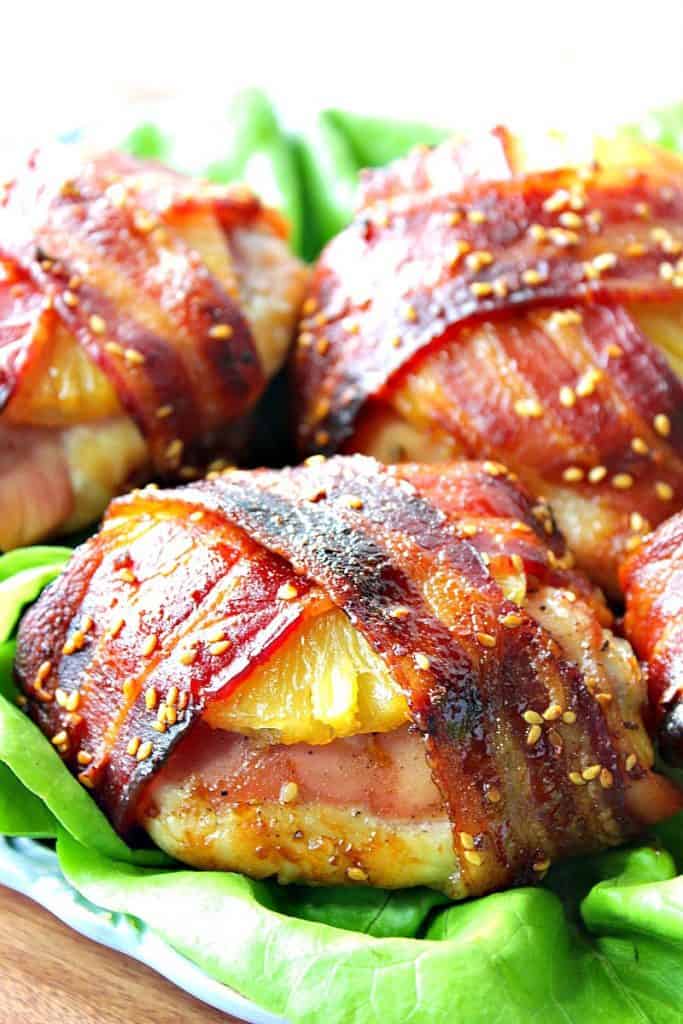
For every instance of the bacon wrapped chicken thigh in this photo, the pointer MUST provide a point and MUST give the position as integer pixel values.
(345, 673)
(491, 303)
(652, 579)
(141, 315)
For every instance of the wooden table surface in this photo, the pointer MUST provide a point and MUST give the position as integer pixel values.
(52, 975)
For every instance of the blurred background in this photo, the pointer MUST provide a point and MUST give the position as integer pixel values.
(72, 64)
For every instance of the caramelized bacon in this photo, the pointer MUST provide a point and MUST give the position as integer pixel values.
(103, 247)
(487, 317)
(414, 559)
(652, 579)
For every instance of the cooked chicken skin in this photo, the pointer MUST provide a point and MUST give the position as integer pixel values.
(141, 315)
(652, 579)
(343, 672)
(493, 303)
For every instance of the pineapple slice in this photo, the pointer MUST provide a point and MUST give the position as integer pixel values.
(324, 683)
(62, 387)
(663, 325)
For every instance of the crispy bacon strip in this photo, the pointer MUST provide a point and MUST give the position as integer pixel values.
(92, 244)
(488, 316)
(652, 579)
(109, 643)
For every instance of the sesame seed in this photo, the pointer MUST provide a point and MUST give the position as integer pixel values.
(115, 628)
(315, 460)
(144, 750)
(569, 717)
(60, 738)
(70, 299)
(573, 474)
(288, 792)
(472, 857)
(97, 324)
(453, 217)
(128, 688)
(666, 271)
(476, 216)
(606, 778)
(563, 237)
(43, 672)
(149, 645)
(61, 696)
(73, 701)
(480, 289)
(356, 874)
(577, 779)
(457, 251)
(322, 346)
(219, 648)
(151, 698)
(421, 661)
(528, 407)
(494, 468)
(114, 348)
(597, 473)
(171, 715)
(133, 357)
(559, 200)
(614, 351)
(83, 757)
(642, 210)
(144, 221)
(305, 339)
(127, 575)
(183, 700)
(216, 636)
(533, 277)
(409, 312)
(494, 795)
(537, 232)
(511, 620)
(352, 501)
(664, 491)
(133, 746)
(662, 424)
(468, 529)
(586, 384)
(532, 717)
(604, 261)
(565, 318)
(479, 259)
(591, 772)
(287, 592)
(196, 516)
(638, 523)
(633, 543)
(635, 249)
(486, 639)
(189, 656)
(533, 735)
(567, 397)
(221, 331)
(622, 481)
(570, 219)
(86, 780)
(172, 696)
(309, 306)
(631, 762)
(466, 840)
(174, 450)
(401, 612)
(552, 712)
(322, 437)
(159, 726)
(639, 446)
